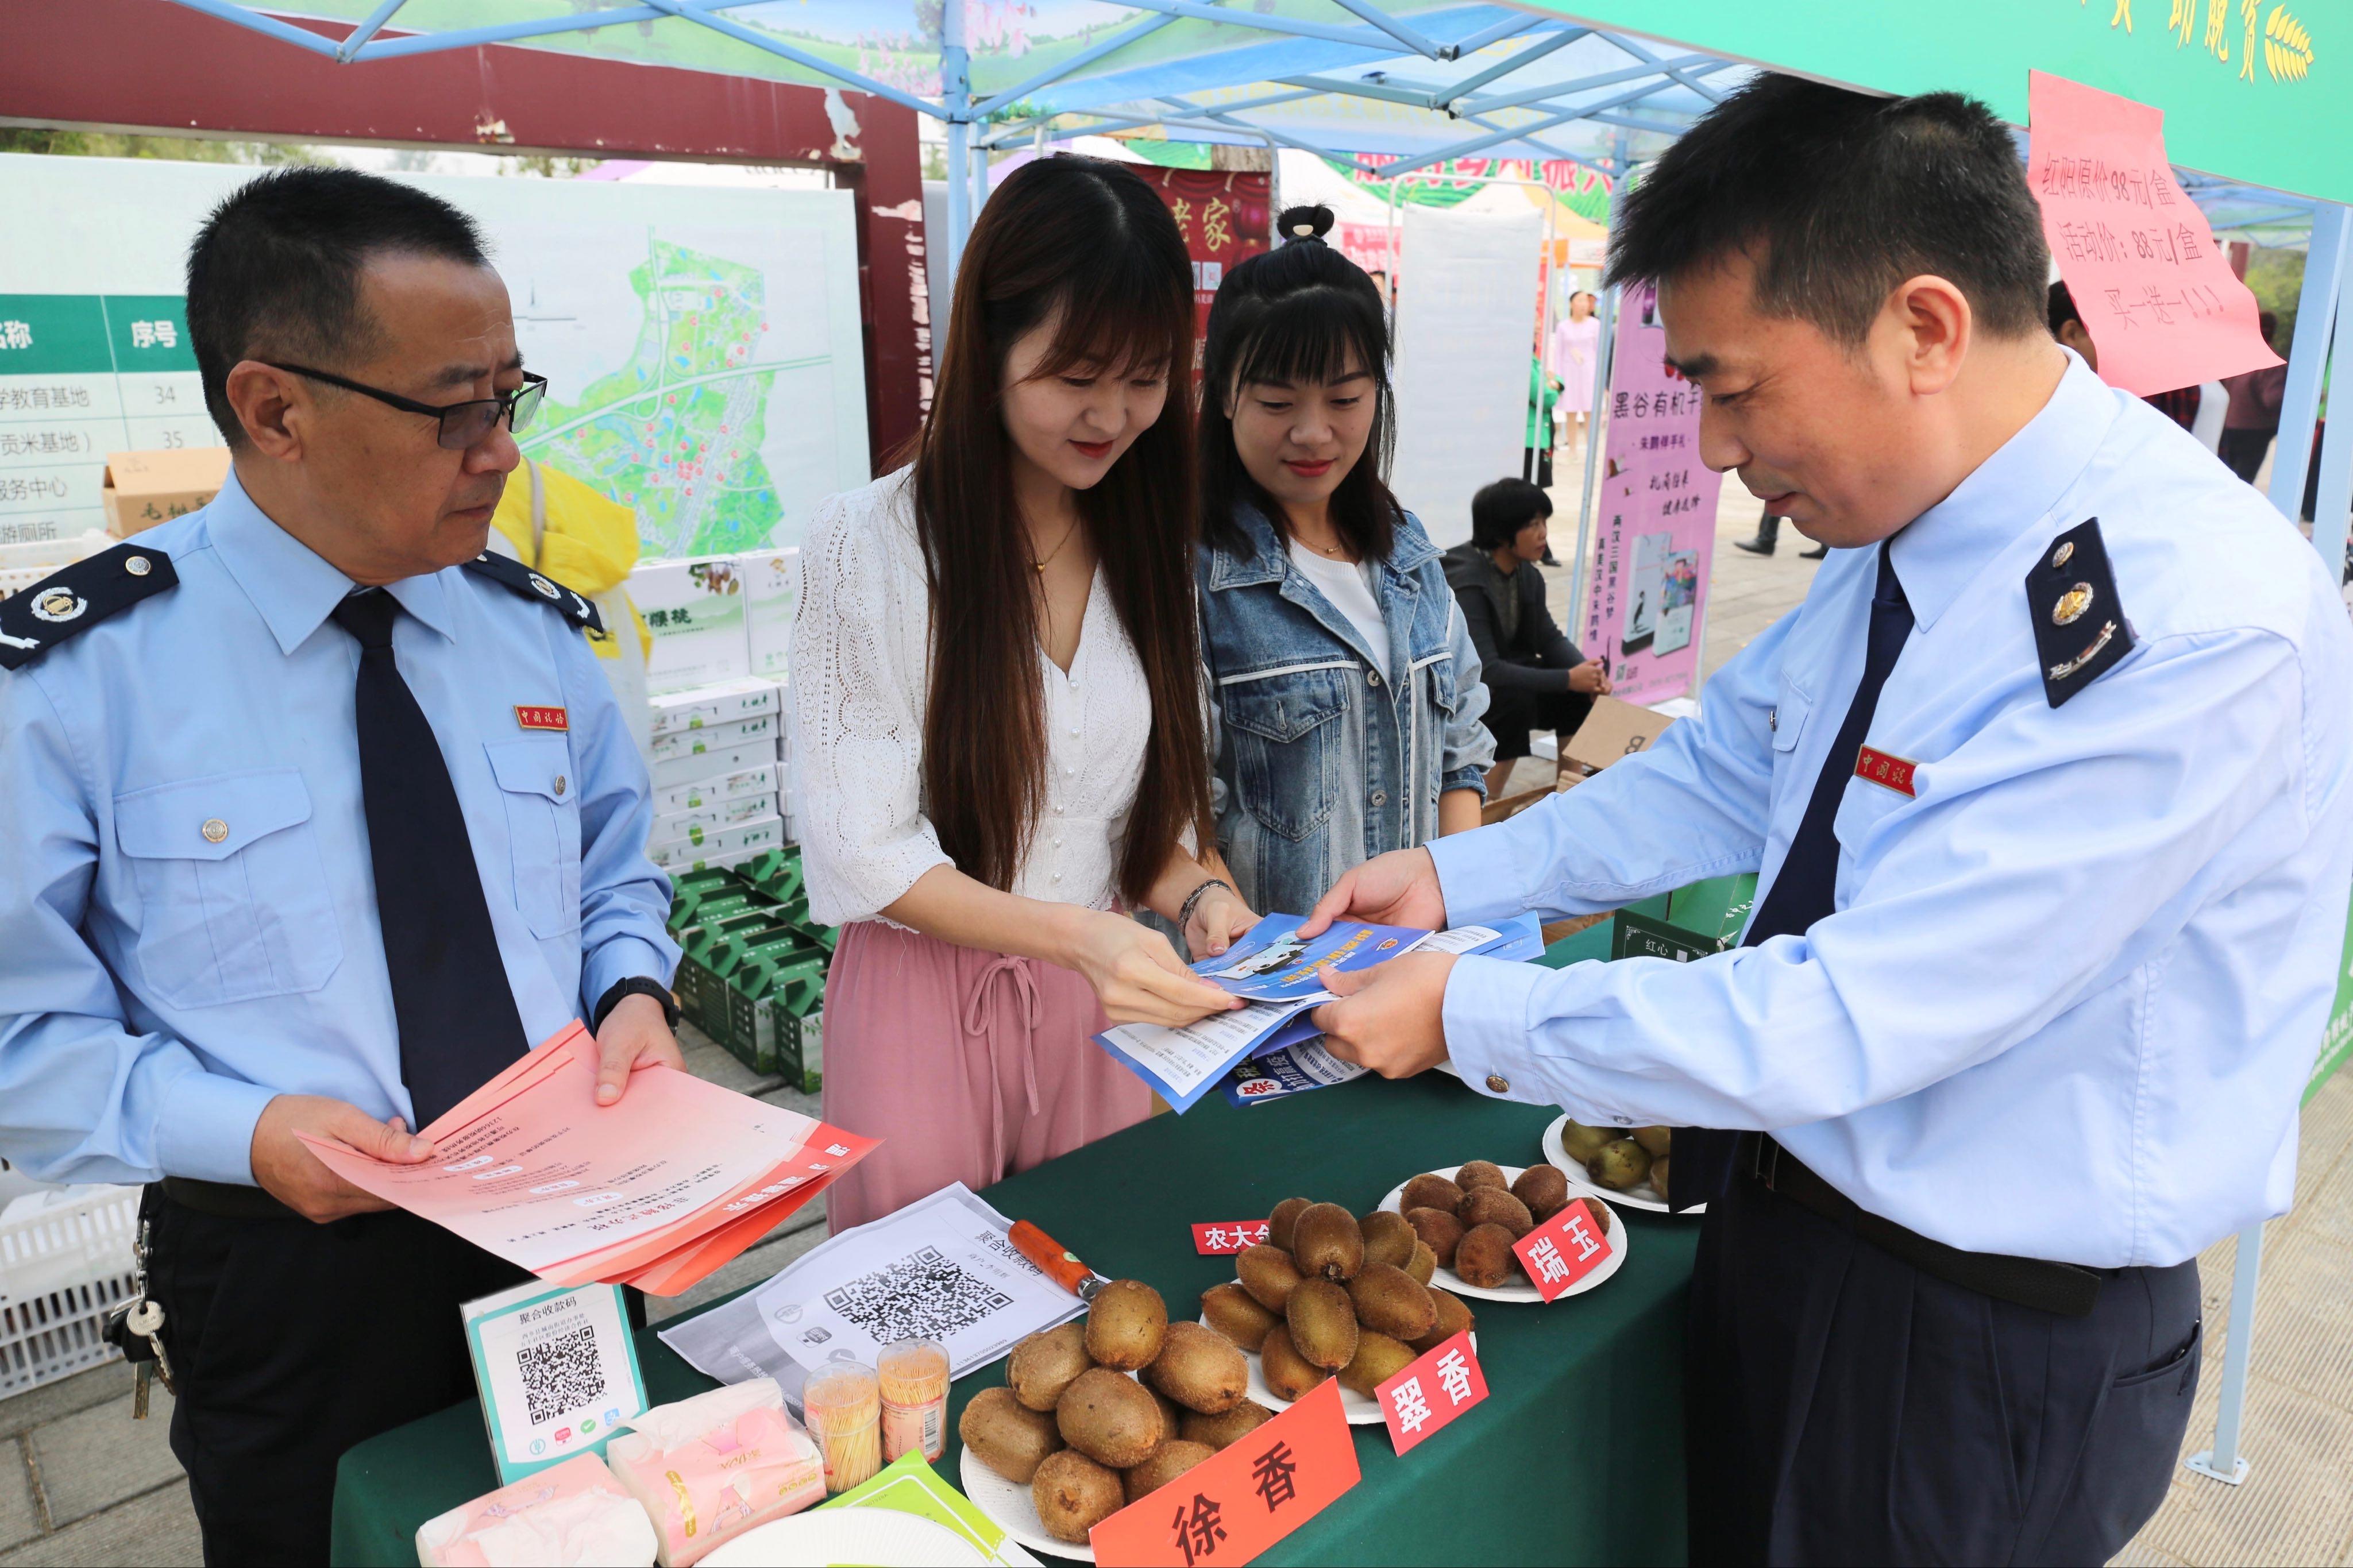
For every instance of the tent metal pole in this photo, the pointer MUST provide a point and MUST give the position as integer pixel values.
(1581, 582)
(2223, 1462)
(1079, 61)
(979, 185)
(955, 97)
(359, 35)
(2324, 272)
(1395, 29)
(269, 26)
(2335, 493)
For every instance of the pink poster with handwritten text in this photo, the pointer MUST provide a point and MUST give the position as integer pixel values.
(1654, 520)
(2155, 291)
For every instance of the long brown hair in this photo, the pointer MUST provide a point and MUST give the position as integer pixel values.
(1087, 243)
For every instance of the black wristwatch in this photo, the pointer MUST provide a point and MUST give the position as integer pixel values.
(636, 985)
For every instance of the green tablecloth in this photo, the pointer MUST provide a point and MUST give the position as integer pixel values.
(1576, 1457)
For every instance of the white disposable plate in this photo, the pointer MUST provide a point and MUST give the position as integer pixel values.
(1012, 1506)
(1445, 1278)
(883, 1537)
(1646, 1198)
(1359, 1410)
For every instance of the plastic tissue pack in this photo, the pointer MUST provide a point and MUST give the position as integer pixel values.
(570, 1514)
(710, 1468)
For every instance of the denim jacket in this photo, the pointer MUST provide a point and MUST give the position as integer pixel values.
(1324, 761)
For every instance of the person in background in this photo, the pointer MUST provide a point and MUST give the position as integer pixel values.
(317, 815)
(2254, 415)
(1535, 677)
(1000, 745)
(1576, 350)
(2180, 404)
(1543, 387)
(1345, 684)
(1768, 536)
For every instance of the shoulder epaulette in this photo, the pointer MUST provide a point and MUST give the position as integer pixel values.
(2080, 629)
(538, 586)
(77, 598)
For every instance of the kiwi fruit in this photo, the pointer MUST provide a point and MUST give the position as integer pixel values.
(1485, 1260)
(1620, 1166)
(1111, 1419)
(1289, 1376)
(1201, 1369)
(1439, 1230)
(1480, 1173)
(1583, 1142)
(1544, 1189)
(1124, 1323)
(1453, 1318)
(1285, 1215)
(1323, 1323)
(1042, 1365)
(1006, 1435)
(1422, 1267)
(1074, 1494)
(1269, 1274)
(1326, 1241)
(1226, 1427)
(1659, 1178)
(1429, 1191)
(1493, 1205)
(1378, 1358)
(1603, 1219)
(1390, 1302)
(1387, 1237)
(1654, 1139)
(1172, 1460)
(1172, 1414)
(1235, 1313)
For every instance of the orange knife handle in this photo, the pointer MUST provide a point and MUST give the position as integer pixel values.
(1061, 1266)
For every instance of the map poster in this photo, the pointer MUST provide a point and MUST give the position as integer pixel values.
(702, 345)
(1654, 524)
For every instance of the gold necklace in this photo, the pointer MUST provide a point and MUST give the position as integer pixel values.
(1042, 566)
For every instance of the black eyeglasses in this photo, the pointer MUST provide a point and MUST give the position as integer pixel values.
(462, 424)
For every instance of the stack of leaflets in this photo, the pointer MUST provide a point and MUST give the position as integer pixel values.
(656, 1191)
(1275, 969)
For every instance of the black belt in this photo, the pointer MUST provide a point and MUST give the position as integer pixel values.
(2064, 1289)
(224, 1199)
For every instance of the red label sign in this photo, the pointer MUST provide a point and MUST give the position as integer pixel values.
(1211, 1240)
(1562, 1251)
(542, 718)
(1884, 768)
(1433, 1391)
(1232, 1507)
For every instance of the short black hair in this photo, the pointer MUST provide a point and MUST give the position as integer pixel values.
(1500, 510)
(1840, 196)
(275, 270)
(2062, 307)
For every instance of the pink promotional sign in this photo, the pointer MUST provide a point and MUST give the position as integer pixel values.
(2155, 291)
(1654, 520)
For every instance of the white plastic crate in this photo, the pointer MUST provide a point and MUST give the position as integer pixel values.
(65, 1259)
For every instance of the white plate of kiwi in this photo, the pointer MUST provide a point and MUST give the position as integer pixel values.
(1644, 1194)
(1014, 1508)
(1513, 1211)
(1361, 1409)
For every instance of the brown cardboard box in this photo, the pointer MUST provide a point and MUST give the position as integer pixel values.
(1612, 731)
(144, 488)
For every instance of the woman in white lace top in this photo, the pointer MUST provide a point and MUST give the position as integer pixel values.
(999, 740)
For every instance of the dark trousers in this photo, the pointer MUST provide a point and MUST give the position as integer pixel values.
(1512, 713)
(1536, 467)
(2241, 451)
(290, 1341)
(1842, 1407)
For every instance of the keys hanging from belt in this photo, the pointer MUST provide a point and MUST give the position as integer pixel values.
(135, 1328)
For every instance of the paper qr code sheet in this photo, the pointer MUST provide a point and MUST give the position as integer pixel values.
(561, 1373)
(923, 1295)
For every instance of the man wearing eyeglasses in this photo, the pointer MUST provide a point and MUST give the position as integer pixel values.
(313, 816)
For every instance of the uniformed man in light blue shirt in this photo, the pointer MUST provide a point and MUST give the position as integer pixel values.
(313, 816)
(2047, 784)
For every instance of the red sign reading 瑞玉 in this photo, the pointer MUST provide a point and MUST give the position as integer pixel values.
(1242, 1499)
(2155, 291)
(1233, 1235)
(1438, 1386)
(1562, 1250)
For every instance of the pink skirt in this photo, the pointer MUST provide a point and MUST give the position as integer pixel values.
(969, 1066)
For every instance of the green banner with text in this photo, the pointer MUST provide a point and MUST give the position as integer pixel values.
(2251, 89)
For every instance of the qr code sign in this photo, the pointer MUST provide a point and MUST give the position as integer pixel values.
(561, 1373)
(921, 1296)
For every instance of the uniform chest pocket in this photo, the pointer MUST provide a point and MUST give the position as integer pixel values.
(543, 828)
(1286, 732)
(232, 905)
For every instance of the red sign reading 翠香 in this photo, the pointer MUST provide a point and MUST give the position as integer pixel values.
(1242, 1499)
(1437, 1388)
(1233, 1235)
(1562, 1250)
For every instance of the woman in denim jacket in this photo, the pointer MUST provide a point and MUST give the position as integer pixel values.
(1345, 692)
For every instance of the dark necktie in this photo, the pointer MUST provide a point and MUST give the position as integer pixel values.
(456, 1014)
(1806, 889)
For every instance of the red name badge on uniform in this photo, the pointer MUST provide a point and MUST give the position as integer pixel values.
(1251, 1493)
(542, 718)
(1884, 768)
(1213, 1240)
(1440, 1386)
(1562, 1250)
